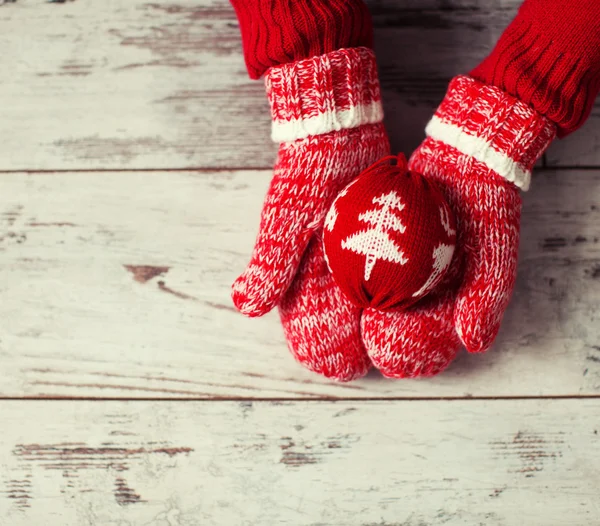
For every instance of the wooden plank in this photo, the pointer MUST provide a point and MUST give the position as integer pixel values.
(125, 83)
(134, 84)
(117, 285)
(581, 148)
(461, 463)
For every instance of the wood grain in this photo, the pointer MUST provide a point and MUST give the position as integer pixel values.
(117, 285)
(461, 463)
(137, 84)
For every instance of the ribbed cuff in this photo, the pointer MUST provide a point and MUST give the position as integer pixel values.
(334, 91)
(276, 32)
(493, 127)
(549, 58)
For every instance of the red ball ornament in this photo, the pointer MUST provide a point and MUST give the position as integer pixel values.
(389, 236)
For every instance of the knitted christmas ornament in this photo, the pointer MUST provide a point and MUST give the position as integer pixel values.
(389, 236)
(327, 117)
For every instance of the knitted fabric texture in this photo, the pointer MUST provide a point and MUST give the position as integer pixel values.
(484, 126)
(549, 58)
(321, 97)
(276, 32)
(389, 237)
(336, 91)
(497, 131)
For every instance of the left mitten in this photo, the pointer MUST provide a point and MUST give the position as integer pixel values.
(327, 117)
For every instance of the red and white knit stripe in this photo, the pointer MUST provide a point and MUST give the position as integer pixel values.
(493, 128)
(336, 91)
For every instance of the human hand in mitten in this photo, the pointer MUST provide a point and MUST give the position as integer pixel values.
(480, 148)
(327, 117)
(541, 78)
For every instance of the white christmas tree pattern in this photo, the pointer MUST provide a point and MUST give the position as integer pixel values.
(331, 218)
(375, 243)
(442, 255)
(332, 215)
(445, 217)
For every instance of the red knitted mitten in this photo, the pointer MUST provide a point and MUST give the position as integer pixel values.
(541, 78)
(481, 146)
(327, 116)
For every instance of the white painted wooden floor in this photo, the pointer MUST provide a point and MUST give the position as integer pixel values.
(134, 155)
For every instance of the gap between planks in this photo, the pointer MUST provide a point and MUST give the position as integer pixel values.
(208, 170)
(137, 170)
(288, 399)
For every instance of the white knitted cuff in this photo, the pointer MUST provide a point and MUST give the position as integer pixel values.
(335, 91)
(493, 127)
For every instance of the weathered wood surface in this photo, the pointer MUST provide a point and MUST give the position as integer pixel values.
(138, 84)
(460, 463)
(117, 285)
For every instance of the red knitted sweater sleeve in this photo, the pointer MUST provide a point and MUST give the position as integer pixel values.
(549, 57)
(276, 32)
